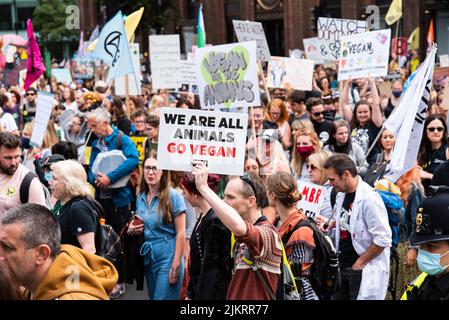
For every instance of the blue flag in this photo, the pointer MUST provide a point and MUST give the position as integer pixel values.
(112, 47)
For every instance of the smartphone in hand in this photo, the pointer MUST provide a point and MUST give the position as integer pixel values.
(137, 221)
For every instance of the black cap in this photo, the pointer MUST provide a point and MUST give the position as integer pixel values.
(52, 159)
(432, 219)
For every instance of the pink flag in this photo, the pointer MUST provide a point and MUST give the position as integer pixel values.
(35, 66)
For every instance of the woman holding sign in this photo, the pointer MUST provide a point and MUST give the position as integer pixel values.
(283, 195)
(162, 210)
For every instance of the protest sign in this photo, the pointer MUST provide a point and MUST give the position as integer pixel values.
(227, 76)
(44, 107)
(165, 54)
(313, 51)
(385, 89)
(365, 55)
(83, 68)
(444, 60)
(249, 31)
(62, 75)
(134, 79)
(139, 142)
(188, 73)
(399, 46)
(217, 138)
(330, 32)
(289, 72)
(312, 198)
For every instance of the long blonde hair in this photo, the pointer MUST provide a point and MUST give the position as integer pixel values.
(298, 161)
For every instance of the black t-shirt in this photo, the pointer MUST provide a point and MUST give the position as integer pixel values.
(348, 255)
(323, 130)
(76, 217)
(441, 175)
(436, 158)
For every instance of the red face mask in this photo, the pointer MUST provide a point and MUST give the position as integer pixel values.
(305, 152)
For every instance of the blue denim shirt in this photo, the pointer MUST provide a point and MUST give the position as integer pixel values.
(155, 229)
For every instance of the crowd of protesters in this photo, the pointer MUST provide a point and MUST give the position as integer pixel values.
(198, 230)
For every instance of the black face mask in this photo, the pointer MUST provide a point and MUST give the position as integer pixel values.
(25, 142)
(329, 115)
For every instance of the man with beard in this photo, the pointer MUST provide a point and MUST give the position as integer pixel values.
(315, 107)
(12, 174)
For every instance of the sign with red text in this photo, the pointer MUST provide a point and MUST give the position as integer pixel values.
(312, 198)
(364, 55)
(216, 138)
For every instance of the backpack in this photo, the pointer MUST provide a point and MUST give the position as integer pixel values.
(107, 242)
(325, 272)
(24, 190)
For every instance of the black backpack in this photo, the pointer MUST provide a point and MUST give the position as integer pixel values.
(24, 190)
(325, 272)
(107, 242)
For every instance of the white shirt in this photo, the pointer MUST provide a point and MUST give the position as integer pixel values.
(8, 122)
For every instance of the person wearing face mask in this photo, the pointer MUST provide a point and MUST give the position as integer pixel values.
(432, 238)
(388, 104)
(306, 143)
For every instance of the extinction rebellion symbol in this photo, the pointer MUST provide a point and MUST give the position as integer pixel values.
(112, 46)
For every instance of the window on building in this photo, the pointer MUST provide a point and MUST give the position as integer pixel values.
(23, 14)
(5, 17)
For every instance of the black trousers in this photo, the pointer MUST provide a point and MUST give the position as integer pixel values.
(117, 219)
(350, 284)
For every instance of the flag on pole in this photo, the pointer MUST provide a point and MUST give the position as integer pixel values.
(131, 23)
(431, 34)
(394, 13)
(113, 48)
(95, 33)
(35, 65)
(407, 122)
(81, 45)
(201, 37)
(413, 40)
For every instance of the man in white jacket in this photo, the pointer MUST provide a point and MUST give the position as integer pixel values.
(363, 235)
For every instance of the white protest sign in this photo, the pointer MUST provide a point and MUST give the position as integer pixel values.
(444, 60)
(134, 79)
(365, 55)
(331, 30)
(62, 75)
(290, 72)
(227, 76)
(188, 73)
(165, 54)
(312, 198)
(218, 138)
(249, 31)
(44, 107)
(313, 50)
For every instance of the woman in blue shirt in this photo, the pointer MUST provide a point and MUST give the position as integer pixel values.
(163, 212)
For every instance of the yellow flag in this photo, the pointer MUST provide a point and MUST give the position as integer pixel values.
(394, 13)
(413, 40)
(131, 23)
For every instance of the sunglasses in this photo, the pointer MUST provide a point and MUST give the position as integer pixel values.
(247, 179)
(433, 129)
(317, 114)
(312, 167)
(30, 94)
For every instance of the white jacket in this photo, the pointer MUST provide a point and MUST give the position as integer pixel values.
(368, 225)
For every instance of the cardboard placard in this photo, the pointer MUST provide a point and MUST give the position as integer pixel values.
(252, 30)
(289, 72)
(165, 54)
(312, 198)
(364, 55)
(227, 76)
(218, 138)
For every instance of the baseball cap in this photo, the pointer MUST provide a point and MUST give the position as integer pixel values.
(432, 223)
(52, 159)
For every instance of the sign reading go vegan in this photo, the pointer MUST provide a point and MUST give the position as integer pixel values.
(227, 76)
(217, 138)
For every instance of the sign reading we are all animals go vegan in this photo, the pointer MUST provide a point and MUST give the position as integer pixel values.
(227, 76)
(217, 138)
